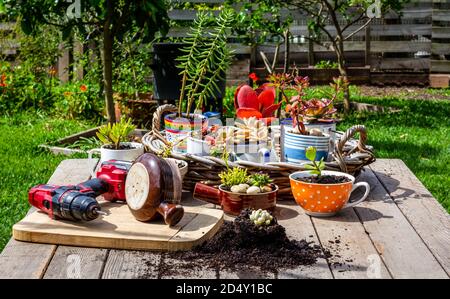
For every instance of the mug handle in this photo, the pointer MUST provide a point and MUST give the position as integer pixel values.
(90, 152)
(355, 186)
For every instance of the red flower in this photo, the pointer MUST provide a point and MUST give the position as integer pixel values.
(258, 103)
(3, 81)
(83, 88)
(254, 77)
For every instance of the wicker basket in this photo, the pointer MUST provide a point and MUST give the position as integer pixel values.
(349, 156)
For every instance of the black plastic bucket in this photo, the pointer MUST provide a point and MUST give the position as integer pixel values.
(167, 78)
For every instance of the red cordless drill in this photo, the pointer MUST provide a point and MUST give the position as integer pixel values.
(78, 202)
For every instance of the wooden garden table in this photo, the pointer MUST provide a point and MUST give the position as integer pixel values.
(401, 231)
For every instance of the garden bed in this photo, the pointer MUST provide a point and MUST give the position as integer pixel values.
(81, 142)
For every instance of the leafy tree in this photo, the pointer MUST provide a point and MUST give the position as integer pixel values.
(111, 19)
(259, 20)
(343, 16)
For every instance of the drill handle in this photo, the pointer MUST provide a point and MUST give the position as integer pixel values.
(96, 185)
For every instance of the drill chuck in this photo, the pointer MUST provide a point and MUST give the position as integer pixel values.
(78, 206)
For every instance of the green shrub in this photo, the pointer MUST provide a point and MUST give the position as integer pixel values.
(78, 100)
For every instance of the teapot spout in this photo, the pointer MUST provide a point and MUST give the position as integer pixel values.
(207, 193)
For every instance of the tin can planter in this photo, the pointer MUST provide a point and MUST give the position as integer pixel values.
(198, 147)
(328, 128)
(295, 145)
(178, 129)
(234, 203)
(325, 200)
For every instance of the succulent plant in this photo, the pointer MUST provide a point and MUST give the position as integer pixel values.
(115, 134)
(261, 217)
(259, 103)
(260, 180)
(234, 176)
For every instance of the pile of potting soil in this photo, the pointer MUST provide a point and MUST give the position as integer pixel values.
(240, 244)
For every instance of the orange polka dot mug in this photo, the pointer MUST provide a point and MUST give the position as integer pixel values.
(325, 200)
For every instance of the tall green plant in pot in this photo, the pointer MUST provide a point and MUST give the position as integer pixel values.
(205, 62)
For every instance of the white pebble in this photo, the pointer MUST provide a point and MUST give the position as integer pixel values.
(253, 190)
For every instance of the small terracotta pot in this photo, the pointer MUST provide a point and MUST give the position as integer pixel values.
(324, 200)
(234, 203)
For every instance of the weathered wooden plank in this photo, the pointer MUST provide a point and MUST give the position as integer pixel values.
(442, 15)
(440, 66)
(377, 29)
(422, 210)
(441, 32)
(21, 260)
(27, 260)
(401, 63)
(440, 49)
(352, 250)
(298, 226)
(76, 263)
(122, 264)
(185, 269)
(375, 47)
(401, 248)
(252, 273)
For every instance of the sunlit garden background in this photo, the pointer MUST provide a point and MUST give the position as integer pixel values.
(52, 85)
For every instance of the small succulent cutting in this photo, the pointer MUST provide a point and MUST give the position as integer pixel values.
(261, 217)
(315, 167)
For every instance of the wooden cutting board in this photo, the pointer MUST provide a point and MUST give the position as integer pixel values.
(120, 230)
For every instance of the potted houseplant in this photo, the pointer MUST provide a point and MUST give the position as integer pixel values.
(323, 193)
(305, 113)
(240, 191)
(115, 145)
(205, 61)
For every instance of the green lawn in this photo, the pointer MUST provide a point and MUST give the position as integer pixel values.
(419, 135)
(23, 164)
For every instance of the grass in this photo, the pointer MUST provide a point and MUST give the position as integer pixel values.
(23, 164)
(419, 135)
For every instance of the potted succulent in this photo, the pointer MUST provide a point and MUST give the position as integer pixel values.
(240, 191)
(115, 145)
(323, 193)
(301, 135)
(205, 61)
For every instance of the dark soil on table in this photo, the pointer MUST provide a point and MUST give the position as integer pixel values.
(240, 245)
(325, 179)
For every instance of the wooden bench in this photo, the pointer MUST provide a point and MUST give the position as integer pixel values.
(401, 231)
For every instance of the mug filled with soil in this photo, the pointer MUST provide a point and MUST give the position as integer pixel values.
(326, 194)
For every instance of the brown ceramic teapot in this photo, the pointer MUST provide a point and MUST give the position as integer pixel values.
(153, 187)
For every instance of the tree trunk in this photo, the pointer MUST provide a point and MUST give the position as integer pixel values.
(286, 52)
(108, 41)
(343, 73)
